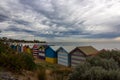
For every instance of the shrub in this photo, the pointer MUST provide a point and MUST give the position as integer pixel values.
(94, 73)
(102, 62)
(28, 62)
(15, 62)
(78, 71)
(104, 66)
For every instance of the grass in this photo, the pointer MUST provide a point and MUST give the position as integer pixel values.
(10, 60)
(55, 71)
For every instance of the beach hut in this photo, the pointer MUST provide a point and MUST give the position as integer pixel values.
(50, 54)
(28, 50)
(14, 47)
(35, 50)
(19, 48)
(24, 48)
(30, 46)
(41, 52)
(63, 54)
(79, 54)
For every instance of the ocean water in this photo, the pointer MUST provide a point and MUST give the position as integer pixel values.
(97, 45)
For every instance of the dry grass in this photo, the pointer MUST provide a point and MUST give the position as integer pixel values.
(53, 71)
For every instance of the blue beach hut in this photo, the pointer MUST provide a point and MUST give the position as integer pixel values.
(14, 46)
(50, 54)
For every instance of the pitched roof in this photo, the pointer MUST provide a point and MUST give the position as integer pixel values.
(88, 50)
(68, 48)
(31, 46)
(35, 46)
(55, 47)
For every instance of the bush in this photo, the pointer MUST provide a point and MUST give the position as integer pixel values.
(15, 62)
(78, 71)
(4, 48)
(28, 62)
(104, 66)
(102, 62)
(94, 73)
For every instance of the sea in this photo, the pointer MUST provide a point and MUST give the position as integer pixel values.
(97, 45)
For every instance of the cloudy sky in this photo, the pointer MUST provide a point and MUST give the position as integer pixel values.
(60, 20)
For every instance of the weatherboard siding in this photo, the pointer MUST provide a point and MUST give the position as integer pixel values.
(76, 61)
(51, 60)
(63, 60)
(63, 57)
(41, 52)
(41, 55)
(35, 50)
(77, 57)
(49, 52)
(63, 53)
(19, 48)
(28, 50)
(62, 63)
(50, 55)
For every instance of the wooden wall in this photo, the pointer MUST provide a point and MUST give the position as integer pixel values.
(77, 57)
(63, 57)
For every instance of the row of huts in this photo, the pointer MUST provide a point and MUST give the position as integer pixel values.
(63, 55)
(22, 48)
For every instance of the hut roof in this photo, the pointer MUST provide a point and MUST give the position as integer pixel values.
(36, 46)
(88, 50)
(55, 48)
(31, 46)
(68, 48)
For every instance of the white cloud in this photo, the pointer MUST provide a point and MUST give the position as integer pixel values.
(61, 18)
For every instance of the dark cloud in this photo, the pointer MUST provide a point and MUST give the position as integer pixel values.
(18, 29)
(22, 22)
(3, 18)
(104, 35)
(61, 18)
(53, 16)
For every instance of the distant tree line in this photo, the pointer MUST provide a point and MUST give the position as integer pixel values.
(5, 39)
